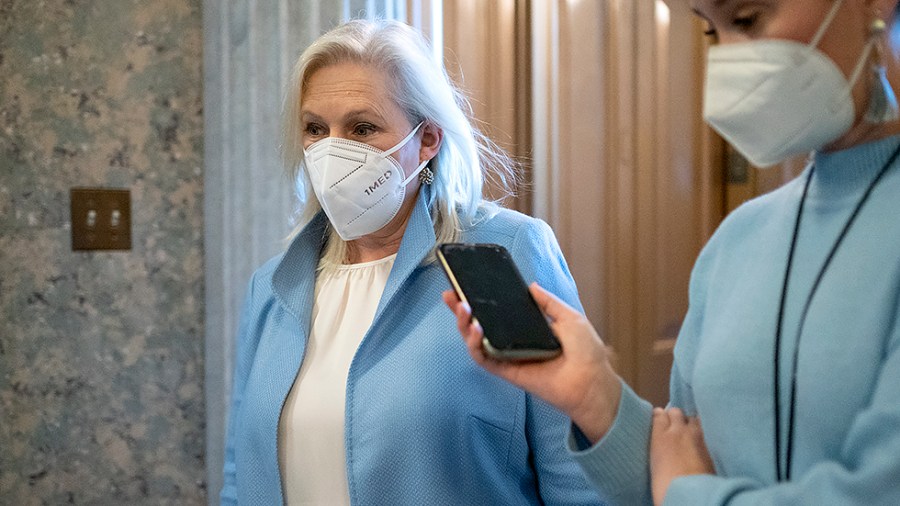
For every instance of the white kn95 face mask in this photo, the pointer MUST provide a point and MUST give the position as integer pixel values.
(772, 99)
(360, 187)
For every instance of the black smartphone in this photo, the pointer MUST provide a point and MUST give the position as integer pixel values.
(485, 277)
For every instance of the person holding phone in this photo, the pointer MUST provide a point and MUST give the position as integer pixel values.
(349, 385)
(784, 388)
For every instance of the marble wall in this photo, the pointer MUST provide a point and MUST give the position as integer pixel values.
(101, 353)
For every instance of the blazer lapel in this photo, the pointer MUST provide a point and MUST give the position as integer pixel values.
(294, 280)
(418, 241)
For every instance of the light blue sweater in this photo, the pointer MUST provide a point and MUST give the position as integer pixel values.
(424, 423)
(847, 427)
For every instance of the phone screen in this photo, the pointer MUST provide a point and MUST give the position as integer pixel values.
(492, 285)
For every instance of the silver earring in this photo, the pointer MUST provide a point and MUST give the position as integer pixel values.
(882, 106)
(426, 176)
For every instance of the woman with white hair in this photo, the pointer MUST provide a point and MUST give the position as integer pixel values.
(350, 385)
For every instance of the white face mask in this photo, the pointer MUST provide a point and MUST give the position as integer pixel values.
(360, 187)
(772, 99)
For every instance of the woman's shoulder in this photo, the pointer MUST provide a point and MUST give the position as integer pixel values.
(260, 284)
(495, 224)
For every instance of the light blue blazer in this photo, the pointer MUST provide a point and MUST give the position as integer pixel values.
(424, 423)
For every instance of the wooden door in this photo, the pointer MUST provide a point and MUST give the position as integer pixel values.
(678, 189)
(623, 168)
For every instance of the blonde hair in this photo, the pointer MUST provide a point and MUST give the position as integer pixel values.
(422, 89)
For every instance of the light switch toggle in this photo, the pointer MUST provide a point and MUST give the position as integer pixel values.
(101, 218)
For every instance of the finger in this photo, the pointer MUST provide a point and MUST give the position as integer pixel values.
(475, 332)
(462, 310)
(473, 341)
(453, 302)
(476, 350)
(470, 330)
(551, 305)
(450, 298)
(660, 419)
(676, 415)
(463, 318)
(468, 326)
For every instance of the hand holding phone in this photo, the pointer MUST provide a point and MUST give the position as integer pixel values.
(485, 277)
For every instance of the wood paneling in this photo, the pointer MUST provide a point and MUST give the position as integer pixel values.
(625, 170)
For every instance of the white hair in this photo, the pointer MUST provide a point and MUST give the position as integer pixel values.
(422, 89)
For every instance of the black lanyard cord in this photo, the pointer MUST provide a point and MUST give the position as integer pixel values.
(784, 473)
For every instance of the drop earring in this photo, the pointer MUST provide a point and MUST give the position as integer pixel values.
(426, 176)
(882, 106)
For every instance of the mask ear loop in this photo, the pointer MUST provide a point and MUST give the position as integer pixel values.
(882, 107)
(415, 173)
(404, 141)
(814, 43)
(400, 145)
(817, 38)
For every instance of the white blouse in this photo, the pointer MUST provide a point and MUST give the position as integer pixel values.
(311, 430)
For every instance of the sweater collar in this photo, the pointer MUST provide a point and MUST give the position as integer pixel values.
(846, 173)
